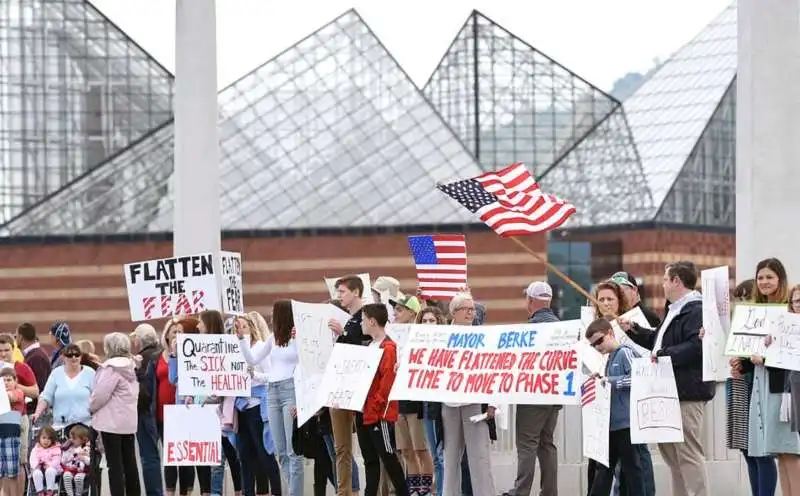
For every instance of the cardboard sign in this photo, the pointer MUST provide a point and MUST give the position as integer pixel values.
(749, 326)
(525, 364)
(192, 435)
(655, 410)
(348, 376)
(211, 364)
(231, 286)
(171, 286)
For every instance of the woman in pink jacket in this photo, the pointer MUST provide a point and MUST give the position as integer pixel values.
(114, 414)
(46, 462)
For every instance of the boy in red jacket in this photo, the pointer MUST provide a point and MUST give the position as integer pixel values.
(376, 423)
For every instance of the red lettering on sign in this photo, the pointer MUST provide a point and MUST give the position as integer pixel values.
(558, 360)
(424, 379)
(416, 355)
(228, 382)
(442, 358)
(481, 382)
(196, 452)
(541, 383)
(212, 364)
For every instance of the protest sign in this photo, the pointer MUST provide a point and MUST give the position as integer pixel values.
(171, 286)
(749, 326)
(192, 435)
(595, 361)
(211, 364)
(399, 334)
(314, 347)
(525, 364)
(716, 322)
(596, 419)
(784, 351)
(330, 282)
(231, 286)
(655, 411)
(348, 376)
(636, 316)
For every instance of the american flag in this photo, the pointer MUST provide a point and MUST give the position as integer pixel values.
(510, 202)
(441, 261)
(588, 391)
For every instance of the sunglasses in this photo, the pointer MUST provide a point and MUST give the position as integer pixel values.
(72, 355)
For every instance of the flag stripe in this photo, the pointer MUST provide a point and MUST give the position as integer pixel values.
(441, 263)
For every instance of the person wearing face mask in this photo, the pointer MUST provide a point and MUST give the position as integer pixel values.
(678, 337)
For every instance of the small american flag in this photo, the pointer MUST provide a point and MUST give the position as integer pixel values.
(510, 202)
(441, 261)
(588, 391)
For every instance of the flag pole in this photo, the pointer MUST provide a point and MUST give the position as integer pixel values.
(556, 271)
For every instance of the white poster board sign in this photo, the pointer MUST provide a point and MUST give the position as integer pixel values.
(594, 361)
(314, 347)
(525, 364)
(636, 316)
(349, 375)
(192, 435)
(231, 286)
(171, 286)
(330, 282)
(211, 365)
(716, 322)
(596, 419)
(399, 334)
(655, 410)
(749, 326)
(784, 351)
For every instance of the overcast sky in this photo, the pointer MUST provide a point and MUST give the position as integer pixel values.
(599, 40)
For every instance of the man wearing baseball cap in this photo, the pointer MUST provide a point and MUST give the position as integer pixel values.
(631, 290)
(536, 424)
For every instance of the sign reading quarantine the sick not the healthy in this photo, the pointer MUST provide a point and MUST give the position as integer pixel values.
(211, 365)
(525, 364)
(184, 285)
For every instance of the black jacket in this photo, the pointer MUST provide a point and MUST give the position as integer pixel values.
(352, 332)
(146, 375)
(543, 315)
(681, 342)
(652, 318)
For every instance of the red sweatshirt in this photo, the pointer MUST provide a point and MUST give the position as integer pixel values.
(375, 408)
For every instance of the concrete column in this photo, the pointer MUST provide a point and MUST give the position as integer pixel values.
(197, 216)
(768, 136)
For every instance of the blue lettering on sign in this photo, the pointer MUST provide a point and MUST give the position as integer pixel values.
(570, 379)
(517, 339)
(466, 340)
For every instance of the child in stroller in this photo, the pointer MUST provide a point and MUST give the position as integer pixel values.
(90, 472)
(76, 459)
(45, 462)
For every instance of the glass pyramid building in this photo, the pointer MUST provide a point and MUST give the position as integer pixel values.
(74, 90)
(332, 134)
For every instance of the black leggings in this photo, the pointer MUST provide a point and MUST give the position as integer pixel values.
(233, 462)
(185, 474)
(252, 454)
(323, 468)
(123, 472)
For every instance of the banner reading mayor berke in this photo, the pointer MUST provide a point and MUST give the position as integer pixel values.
(521, 364)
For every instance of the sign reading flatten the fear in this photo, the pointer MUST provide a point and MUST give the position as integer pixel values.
(184, 285)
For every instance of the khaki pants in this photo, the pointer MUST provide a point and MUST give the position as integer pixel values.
(460, 434)
(342, 426)
(687, 460)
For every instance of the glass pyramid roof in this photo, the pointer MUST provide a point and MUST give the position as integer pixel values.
(670, 111)
(509, 102)
(74, 90)
(331, 133)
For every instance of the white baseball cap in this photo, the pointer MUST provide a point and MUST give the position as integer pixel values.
(539, 290)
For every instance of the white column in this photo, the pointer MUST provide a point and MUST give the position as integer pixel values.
(768, 136)
(197, 216)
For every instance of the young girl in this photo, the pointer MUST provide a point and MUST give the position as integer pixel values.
(46, 462)
(76, 459)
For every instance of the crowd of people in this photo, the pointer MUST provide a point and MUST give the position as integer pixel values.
(69, 405)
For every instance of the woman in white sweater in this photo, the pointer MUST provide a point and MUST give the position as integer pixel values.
(281, 351)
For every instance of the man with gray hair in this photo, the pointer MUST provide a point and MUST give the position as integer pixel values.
(146, 348)
(536, 424)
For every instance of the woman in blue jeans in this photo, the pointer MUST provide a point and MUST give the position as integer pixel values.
(278, 356)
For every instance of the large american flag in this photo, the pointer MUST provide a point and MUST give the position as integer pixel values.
(510, 202)
(588, 391)
(441, 261)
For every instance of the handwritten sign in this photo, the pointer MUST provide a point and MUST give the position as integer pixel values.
(528, 364)
(716, 321)
(314, 348)
(211, 364)
(367, 298)
(596, 420)
(655, 410)
(749, 326)
(232, 290)
(784, 351)
(349, 375)
(399, 334)
(171, 286)
(192, 435)
(636, 316)
(595, 361)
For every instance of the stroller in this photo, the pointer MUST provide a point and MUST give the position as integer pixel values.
(92, 486)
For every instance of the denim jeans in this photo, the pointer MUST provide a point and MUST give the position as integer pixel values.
(763, 474)
(147, 437)
(332, 453)
(436, 447)
(280, 400)
(218, 472)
